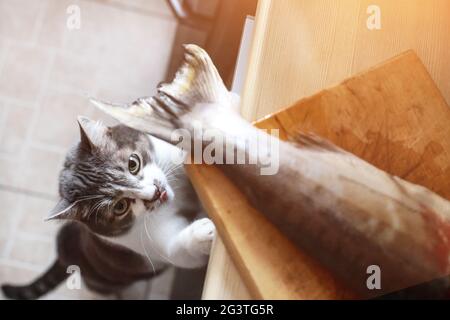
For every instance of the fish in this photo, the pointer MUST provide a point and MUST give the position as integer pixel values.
(374, 231)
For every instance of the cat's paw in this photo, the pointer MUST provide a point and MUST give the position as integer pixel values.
(202, 233)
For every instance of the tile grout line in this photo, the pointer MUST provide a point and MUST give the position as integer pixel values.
(39, 100)
(30, 236)
(26, 192)
(6, 42)
(27, 236)
(40, 97)
(12, 232)
(48, 147)
(3, 115)
(39, 23)
(16, 102)
(20, 265)
(34, 118)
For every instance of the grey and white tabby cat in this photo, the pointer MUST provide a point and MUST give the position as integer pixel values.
(131, 212)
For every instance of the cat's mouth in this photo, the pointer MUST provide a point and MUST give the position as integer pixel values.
(161, 196)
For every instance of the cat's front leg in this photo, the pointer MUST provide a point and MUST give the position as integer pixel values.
(191, 247)
(198, 237)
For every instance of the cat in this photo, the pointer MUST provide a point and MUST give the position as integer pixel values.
(130, 212)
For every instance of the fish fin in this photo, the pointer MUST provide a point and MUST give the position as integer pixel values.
(196, 81)
(140, 115)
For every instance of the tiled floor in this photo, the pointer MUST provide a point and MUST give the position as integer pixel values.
(46, 72)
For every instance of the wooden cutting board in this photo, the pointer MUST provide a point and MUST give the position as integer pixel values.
(393, 116)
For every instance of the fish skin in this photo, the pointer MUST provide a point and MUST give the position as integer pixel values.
(342, 210)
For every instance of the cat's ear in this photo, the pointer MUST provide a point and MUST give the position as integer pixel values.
(61, 211)
(91, 133)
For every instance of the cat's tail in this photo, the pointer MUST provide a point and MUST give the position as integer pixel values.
(42, 285)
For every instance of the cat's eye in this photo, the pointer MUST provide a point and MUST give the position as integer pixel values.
(134, 164)
(121, 207)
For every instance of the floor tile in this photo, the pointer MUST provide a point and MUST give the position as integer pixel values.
(14, 130)
(9, 215)
(47, 71)
(9, 170)
(33, 212)
(73, 72)
(131, 51)
(32, 251)
(22, 72)
(39, 171)
(3, 110)
(4, 47)
(112, 32)
(53, 28)
(18, 19)
(57, 122)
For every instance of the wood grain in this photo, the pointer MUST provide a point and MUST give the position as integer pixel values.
(303, 46)
(222, 278)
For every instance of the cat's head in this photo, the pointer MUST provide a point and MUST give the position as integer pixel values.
(109, 178)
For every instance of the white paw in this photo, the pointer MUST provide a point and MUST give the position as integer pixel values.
(202, 233)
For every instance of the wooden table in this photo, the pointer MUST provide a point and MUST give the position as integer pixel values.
(303, 46)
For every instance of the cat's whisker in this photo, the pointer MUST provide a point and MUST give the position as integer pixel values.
(173, 169)
(97, 206)
(176, 187)
(174, 180)
(176, 184)
(96, 211)
(163, 164)
(151, 240)
(176, 173)
(94, 207)
(145, 250)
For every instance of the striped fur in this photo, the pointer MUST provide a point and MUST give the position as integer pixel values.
(39, 287)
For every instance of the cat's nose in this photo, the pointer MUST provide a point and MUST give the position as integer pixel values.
(160, 193)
